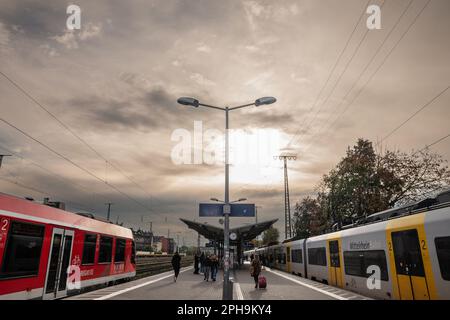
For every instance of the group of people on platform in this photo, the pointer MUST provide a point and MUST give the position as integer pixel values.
(208, 265)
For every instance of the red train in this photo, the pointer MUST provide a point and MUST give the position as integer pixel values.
(49, 253)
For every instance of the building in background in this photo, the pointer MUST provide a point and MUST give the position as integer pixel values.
(157, 243)
(143, 240)
(172, 246)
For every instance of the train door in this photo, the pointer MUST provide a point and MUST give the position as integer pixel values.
(288, 259)
(410, 272)
(335, 271)
(58, 262)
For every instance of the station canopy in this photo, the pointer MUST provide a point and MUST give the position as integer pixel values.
(243, 233)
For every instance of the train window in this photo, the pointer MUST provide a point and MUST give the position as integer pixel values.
(317, 256)
(443, 253)
(133, 252)
(297, 256)
(105, 250)
(90, 242)
(119, 256)
(334, 254)
(23, 250)
(357, 262)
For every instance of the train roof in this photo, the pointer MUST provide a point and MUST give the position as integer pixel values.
(30, 210)
(440, 200)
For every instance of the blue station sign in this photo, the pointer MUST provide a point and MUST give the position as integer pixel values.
(216, 210)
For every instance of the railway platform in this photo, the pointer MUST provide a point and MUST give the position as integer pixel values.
(189, 286)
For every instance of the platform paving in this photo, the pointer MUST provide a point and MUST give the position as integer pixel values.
(190, 286)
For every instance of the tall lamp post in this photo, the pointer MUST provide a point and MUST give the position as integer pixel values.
(227, 293)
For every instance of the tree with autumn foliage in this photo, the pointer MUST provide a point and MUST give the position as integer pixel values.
(309, 220)
(270, 236)
(366, 182)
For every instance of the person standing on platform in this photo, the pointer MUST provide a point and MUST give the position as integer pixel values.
(214, 267)
(202, 262)
(255, 269)
(196, 262)
(176, 263)
(207, 267)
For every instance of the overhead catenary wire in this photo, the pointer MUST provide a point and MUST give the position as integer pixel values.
(376, 70)
(433, 143)
(72, 132)
(413, 115)
(338, 80)
(343, 99)
(76, 205)
(52, 173)
(331, 73)
(73, 163)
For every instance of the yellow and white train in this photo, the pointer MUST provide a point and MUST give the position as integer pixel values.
(409, 247)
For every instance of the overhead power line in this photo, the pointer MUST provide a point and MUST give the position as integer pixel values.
(52, 173)
(413, 115)
(338, 80)
(343, 99)
(375, 72)
(330, 74)
(73, 163)
(72, 203)
(433, 143)
(65, 126)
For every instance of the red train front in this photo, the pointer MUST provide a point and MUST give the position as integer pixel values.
(48, 253)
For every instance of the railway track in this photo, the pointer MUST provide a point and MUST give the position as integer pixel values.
(148, 265)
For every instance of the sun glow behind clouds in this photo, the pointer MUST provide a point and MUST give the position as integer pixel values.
(251, 158)
(252, 154)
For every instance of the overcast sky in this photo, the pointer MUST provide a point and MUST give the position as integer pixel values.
(115, 83)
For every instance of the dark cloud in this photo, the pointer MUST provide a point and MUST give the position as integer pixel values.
(36, 19)
(267, 120)
(149, 111)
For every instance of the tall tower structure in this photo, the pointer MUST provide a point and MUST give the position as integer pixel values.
(287, 204)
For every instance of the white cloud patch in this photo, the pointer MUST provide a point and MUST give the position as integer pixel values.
(260, 79)
(297, 78)
(4, 35)
(67, 39)
(49, 50)
(71, 38)
(201, 80)
(256, 12)
(204, 48)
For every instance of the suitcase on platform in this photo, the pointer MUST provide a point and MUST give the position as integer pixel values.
(262, 282)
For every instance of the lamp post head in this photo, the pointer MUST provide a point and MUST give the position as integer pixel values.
(188, 101)
(264, 100)
(214, 199)
(242, 199)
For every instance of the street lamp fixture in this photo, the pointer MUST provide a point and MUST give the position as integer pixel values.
(265, 100)
(188, 101)
(239, 200)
